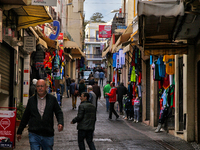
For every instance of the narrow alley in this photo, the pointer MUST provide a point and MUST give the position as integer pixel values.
(112, 134)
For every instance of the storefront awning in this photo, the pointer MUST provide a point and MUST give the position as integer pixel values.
(50, 43)
(105, 52)
(39, 40)
(32, 16)
(165, 49)
(123, 38)
(75, 50)
(157, 22)
(128, 47)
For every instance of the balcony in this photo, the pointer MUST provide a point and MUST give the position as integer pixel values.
(93, 39)
(94, 56)
(118, 20)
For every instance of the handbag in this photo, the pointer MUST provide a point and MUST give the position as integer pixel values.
(76, 92)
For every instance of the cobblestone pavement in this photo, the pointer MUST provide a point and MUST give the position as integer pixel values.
(111, 134)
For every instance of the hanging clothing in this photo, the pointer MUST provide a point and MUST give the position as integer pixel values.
(133, 75)
(169, 60)
(133, 59)
(156, 76)
(151, 59)
(166, 83)
(121, 57)
(114, 57)
(161, 67)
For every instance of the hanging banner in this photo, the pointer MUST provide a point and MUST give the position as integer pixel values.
(44, 2)
(104, 31)
(7, 128)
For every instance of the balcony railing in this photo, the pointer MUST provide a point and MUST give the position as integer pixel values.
(94, 40)
(93, 55)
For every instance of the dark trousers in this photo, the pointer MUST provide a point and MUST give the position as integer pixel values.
(120, 106)
(101, 81)
(88, 135)
(112, 110)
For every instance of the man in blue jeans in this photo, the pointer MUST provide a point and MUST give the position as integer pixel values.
(39, 114)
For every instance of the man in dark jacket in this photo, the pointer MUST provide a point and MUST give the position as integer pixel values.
(97, 91)
(121, 90)
(86, 119)
(91, 81)
(68, 82)
(39, 115)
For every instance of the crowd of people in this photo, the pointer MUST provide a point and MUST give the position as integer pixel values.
(41, 124)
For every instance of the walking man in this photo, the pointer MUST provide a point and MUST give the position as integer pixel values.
(121, 91)
(39, 114)
(101, 77)
(97, 91)
(106, 89)
(92, 96)
(112, 100)
(68, 82)
(85, 120)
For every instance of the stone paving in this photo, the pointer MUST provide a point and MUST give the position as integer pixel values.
(111, 134)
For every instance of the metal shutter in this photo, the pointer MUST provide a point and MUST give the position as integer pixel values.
(5, 66)
(148, 90)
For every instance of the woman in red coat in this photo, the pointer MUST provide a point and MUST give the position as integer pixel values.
(112, 100)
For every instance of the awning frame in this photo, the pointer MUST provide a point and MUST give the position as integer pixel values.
(157, 23)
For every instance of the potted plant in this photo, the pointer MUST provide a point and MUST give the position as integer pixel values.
(20, 112)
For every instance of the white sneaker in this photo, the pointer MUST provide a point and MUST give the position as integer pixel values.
(137, 121)
(131, 119)
(134, 120)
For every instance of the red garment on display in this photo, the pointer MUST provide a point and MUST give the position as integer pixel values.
(139, 78)
(161, 103)
(166, 82)
(133, 59)
(159, 84)
(133, 90)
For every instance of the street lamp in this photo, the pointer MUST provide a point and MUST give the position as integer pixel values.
(115, 10)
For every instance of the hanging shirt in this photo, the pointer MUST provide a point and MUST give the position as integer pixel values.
(151, 59)
(114, 59)
(164, 97)
(133, 75)
(161, 67)
(166, 81)
(133, 59)
(156, 76)
(169, 60)
(121, 57)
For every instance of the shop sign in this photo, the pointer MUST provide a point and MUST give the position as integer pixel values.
(57, 25)
(7, 128)
(0, 25)
(29, 43)
(104, 31)
(44, 2)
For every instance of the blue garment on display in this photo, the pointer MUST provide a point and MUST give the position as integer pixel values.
(161, 67)
(114, 59)
(151, 59)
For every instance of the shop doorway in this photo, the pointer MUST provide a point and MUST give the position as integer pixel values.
(181, 124)
(198, 100)
(148, 90)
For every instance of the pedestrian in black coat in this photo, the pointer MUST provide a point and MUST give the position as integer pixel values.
(121, 90)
